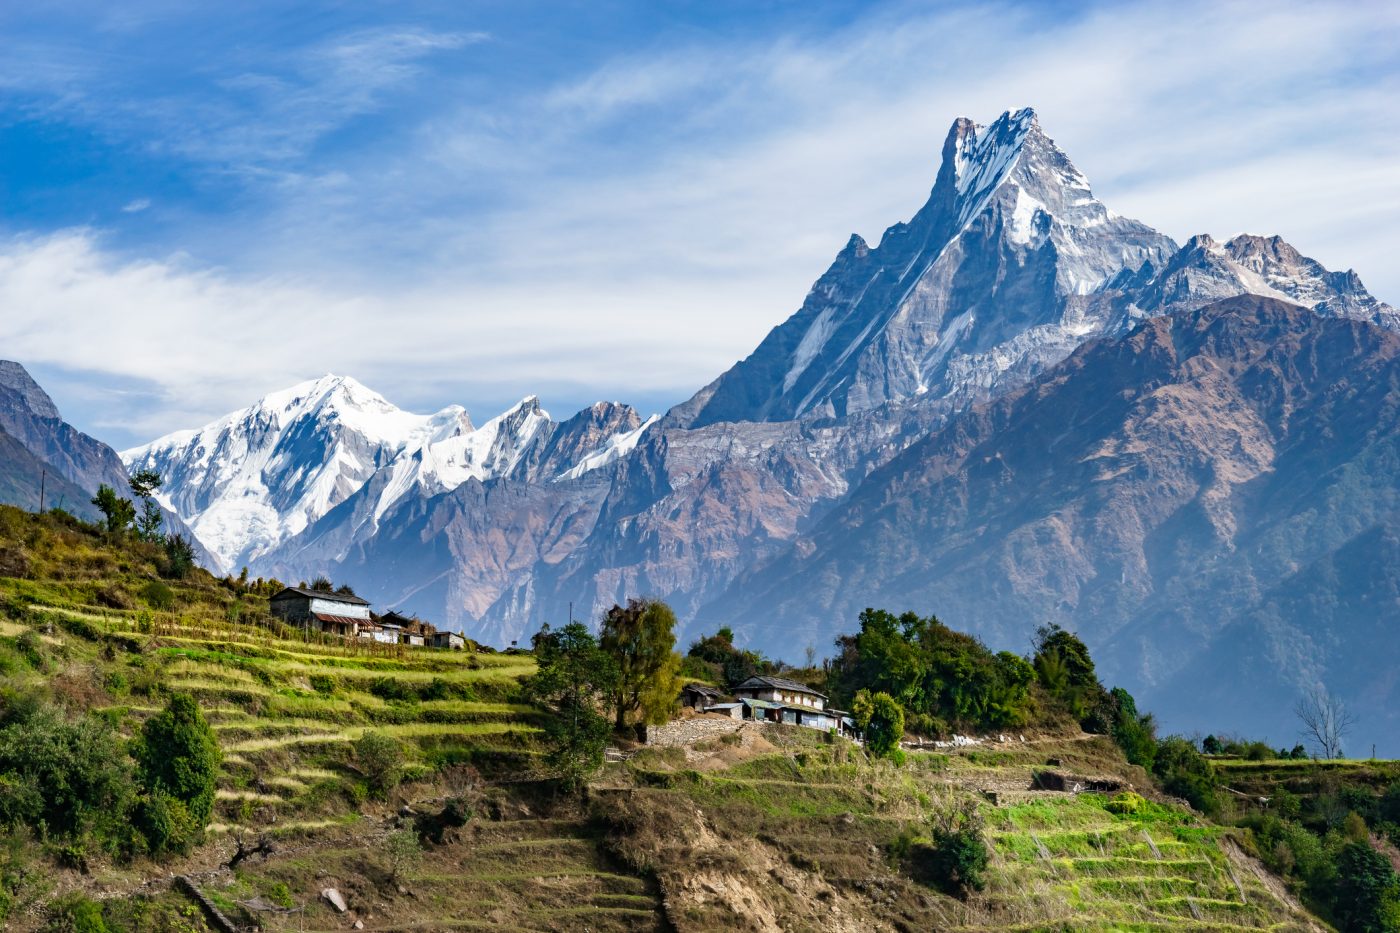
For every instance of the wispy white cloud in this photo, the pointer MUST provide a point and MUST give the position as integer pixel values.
(640, 225)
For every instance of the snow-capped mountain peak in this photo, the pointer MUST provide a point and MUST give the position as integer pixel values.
(988, 277)
(254, 477)
(443, 464)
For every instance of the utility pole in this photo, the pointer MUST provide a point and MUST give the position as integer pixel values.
(43, 477)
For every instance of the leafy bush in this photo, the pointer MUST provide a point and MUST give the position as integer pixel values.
(882, 721)
(380, 759)
(957, 860)
(75, 913)
(1185, 773)
(179, 558)
(178, 758)
(60, 776)
(30, 648)
(1367, 896)
(159, 596)
(165, 823)
(1126, 804)
(392, 689)
(324, 684)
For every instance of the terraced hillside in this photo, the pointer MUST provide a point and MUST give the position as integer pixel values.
(770, 828)
(825, 839)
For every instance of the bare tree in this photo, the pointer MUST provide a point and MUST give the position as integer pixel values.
(1325, 721)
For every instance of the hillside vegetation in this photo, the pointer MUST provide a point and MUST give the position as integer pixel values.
(411, 781)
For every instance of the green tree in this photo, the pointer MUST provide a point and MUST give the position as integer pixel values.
(178, 756)
(941, 677)
(884, 723)
(641, 640)
(1185, 773)
(1066, 671)
(179, 557)
(59, 776)
(404, 852)
(1367, 892)
(1135, 733)
(118, 512)
(144, 483)
(574, 681)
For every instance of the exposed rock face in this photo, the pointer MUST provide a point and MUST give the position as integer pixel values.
(75, 463)
(993, 274)
(1218, 487)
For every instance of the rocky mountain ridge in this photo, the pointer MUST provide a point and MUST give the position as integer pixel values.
(43, 454)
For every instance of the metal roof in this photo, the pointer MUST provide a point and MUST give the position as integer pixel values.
(777, 683)
(339, 620)
(307, 593)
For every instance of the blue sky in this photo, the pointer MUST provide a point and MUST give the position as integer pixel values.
(473, 201)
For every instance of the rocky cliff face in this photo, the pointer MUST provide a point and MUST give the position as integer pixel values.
(69, 464)
(1196, 484)
(995, 273)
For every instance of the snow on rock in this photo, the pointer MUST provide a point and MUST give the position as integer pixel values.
(485, 453)
(262, 474)
(617, 447)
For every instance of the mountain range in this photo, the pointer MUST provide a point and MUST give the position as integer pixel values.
(1017, 407)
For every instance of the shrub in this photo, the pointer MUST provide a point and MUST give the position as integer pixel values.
(75, 913)
(179, 558)
(60, 776)
(882, 719)
(1185, 773)
(957, 860)
(391, 689)
(30, 648)
(324, 684)
(178, 756)
(380, 759)
(281, 895)
(165, 823)
(1126, 804)
(1367, 893)
(158, 596)
(403, 852)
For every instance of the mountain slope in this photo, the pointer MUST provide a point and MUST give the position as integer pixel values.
(255, 481)
(1159, 493)
(75, 463)
(1010, 244)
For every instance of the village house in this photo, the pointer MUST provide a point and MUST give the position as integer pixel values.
(333, 613)
(700, 696)
(453, 640)
(407, 629)
(771, 699)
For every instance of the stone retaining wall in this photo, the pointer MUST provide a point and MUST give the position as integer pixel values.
(684, 732)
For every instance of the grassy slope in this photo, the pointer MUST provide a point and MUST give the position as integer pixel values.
(809, 831)
(795, 835)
